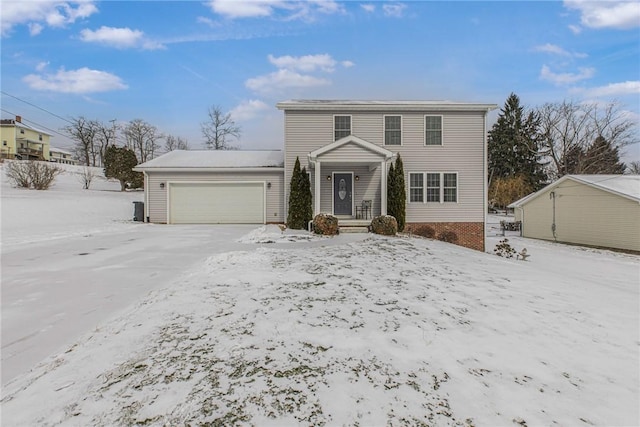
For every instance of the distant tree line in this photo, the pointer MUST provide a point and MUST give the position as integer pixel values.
(528, 148)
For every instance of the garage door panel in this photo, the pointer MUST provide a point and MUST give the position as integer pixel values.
(216, 203)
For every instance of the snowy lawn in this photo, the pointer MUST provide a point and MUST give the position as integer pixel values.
(285, 328)
(384, 331)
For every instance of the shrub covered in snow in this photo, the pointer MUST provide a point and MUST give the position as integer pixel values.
(32, 174)
(385, 225)
(504, 249)
(325, 224)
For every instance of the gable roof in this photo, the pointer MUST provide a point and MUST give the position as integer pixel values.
(363, 105)
(198, 160)
(19, 124)
(381, 151)
(627, 186)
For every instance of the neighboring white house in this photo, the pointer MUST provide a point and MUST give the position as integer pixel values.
(593, 210)
(347, 148)
(59, 155)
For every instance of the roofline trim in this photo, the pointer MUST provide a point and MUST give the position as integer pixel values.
(209, 169)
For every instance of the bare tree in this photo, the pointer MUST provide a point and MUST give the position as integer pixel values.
(568, 129)
(85, 176)
(633, 168)
(83, 133)
(142, 138)
(175, 143)
(105, 136)
(218, 129)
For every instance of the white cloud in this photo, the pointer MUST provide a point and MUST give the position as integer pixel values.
(612, 90)
(607, 14)
(557, 50)
(283, 79)
(348, 64)
(565, 78)
(36, 14)
(207, 21)
(41, 66)
(118, 37)
(395, 10)
(248, 110)
(307, 63)
(80, 81)
(575, 29)
(304, 10)
(368, 7)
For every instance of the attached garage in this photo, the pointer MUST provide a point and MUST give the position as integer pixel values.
(214, 187)
(216, 203)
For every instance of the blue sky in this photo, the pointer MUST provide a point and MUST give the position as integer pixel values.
(166, 62)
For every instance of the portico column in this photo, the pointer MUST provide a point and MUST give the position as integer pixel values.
(383, 187)
(316, 193)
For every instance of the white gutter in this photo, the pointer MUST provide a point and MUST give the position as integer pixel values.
(208, 169)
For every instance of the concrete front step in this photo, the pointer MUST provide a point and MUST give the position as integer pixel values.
(353, 229)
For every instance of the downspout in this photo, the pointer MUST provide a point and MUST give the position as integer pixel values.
(552, 196)
(146, 196)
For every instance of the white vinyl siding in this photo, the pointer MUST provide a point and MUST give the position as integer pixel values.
(341, 127)
(433, 130)
(416, 187)
(392, 130)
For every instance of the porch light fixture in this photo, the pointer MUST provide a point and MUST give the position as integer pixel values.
(162, 185)
(328, 177)
(357, 178)
(268, 185)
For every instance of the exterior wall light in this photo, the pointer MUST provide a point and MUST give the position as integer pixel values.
(162, 185)
(268, 185)
(357, 178)
(328, 177)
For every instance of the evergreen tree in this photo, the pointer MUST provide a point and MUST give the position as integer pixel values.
(391, 192)
(401, 195)
(513, 144)
(300, 211)
(119, 163)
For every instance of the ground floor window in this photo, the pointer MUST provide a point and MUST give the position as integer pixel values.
(441, 187)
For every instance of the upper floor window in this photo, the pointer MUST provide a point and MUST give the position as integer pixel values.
(392, 130)
(40, 137)
(341, 126)
(4, 143)
(21, 130)
(433, 130)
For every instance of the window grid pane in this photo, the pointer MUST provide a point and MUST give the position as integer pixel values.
(416, 187)
(433, 187)
(450, 187)
(433, 130)
(342, 127)
(392, 130)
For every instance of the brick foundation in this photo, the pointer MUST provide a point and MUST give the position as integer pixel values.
(467, 234)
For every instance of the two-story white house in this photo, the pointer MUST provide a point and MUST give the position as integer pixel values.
(347, 147)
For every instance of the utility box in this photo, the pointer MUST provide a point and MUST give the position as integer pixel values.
(138, 211)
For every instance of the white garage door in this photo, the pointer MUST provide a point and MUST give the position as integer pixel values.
(216, 203)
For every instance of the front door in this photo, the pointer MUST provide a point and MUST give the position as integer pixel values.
(342, 189)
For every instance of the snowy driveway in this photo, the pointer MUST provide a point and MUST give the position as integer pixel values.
(54, 291)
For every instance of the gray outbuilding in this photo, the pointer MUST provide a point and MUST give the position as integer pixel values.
(592, 210)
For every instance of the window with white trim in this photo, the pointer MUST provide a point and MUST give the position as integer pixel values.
(416, 187)
(341, 126)
(392, 130)
(433, 130)
(450, 187)
(433, 187)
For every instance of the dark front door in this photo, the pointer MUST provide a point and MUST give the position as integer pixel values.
(342, 189)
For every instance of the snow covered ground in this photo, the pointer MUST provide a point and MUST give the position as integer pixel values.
(354, 330)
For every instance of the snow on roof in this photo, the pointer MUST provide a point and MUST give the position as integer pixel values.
(323, 104)
(624, 185)
(60, 150)
(190, 159)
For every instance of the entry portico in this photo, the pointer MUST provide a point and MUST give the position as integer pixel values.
(344, 161)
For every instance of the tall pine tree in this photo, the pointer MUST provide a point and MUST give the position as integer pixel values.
(300, 211)
(513, 145)
(396, 193)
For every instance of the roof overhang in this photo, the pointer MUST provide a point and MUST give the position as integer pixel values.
(382, 152)
(383, 106)
(264, 169)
